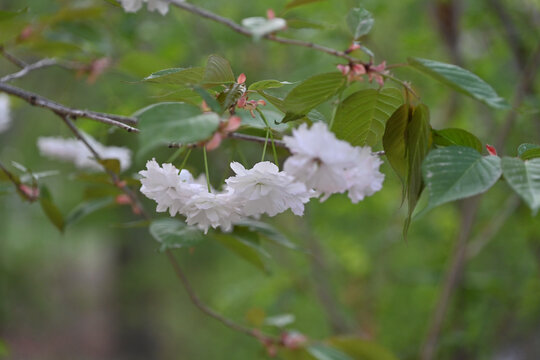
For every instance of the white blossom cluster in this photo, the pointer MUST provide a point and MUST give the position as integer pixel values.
(153, 5)
(5, 115)
(320, 165)
(75, 151)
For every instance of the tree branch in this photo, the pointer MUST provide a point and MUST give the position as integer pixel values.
(12, 59)
(28, 68)
(266, 339)
(40, 101)
(452, 278)
(243, 31)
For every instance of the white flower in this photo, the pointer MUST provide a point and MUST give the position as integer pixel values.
(158, 5)
(76, 151)
(5, 117)
(179, 193)
(206, 210)
(319, 159)
(131, 5)
(153, 5)
(260, 26)
(265, 189)
(329, 165)
(364, 179)
(170, 189)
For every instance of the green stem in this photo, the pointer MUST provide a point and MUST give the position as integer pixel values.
(334, 111)
(185, 159)
(176, 154)
(265, 144)
(271, 136)
(206, 170)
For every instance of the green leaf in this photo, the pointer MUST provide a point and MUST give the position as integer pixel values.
(461, 80)
(457, 137)
(526, 147)
(174, 234)
(359, 348)
(267, 84)
(245, 244)
(111, 165)
(312, 92)
(86, 208)
(273, 117)
(360, 22)
(165, 123)
(177, 76)
(394, 141)
(417, 144)
(323, 352)
(50, 209)
(268, 232)
(458, 172)
(530, 154)
(305, 24)
(360, 118)
(274, 100)
(524, 178)
(218, 71)
(295, 3)
(210, 100)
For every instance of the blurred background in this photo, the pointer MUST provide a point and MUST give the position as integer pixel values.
(102, 290)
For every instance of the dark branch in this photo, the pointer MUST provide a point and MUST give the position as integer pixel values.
(266, 339)
(40, 101)
(27, 69)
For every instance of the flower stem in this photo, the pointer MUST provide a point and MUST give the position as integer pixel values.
(334, 111)
(176, 154)
(265, 144)
(271, 136)
(185, 159)
(206, 170)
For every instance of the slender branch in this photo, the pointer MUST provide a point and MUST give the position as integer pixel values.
(452, 278)
(208, 311)
(40, 101)
(243, 31)
(488, 233)
(29, 68)
(12, 59)
(114, 177)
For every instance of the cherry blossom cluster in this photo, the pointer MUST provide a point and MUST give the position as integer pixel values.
(320, 165)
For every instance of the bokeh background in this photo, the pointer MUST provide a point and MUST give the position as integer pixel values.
(102, 290)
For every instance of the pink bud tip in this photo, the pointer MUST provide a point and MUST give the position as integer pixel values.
(233, 124)
(344, 69)
(491, 150)
(353, 47)
(241, 78)
(214, 142)
(270, 14)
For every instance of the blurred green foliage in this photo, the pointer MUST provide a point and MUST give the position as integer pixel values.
(101, 291)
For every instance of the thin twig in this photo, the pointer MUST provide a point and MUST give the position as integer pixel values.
(256, 139)
(12, 59)
(114, 177)
(40, 101)
(477, 244)
(242, 30)
(452, 278)
(27, 69)
(208, 311)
